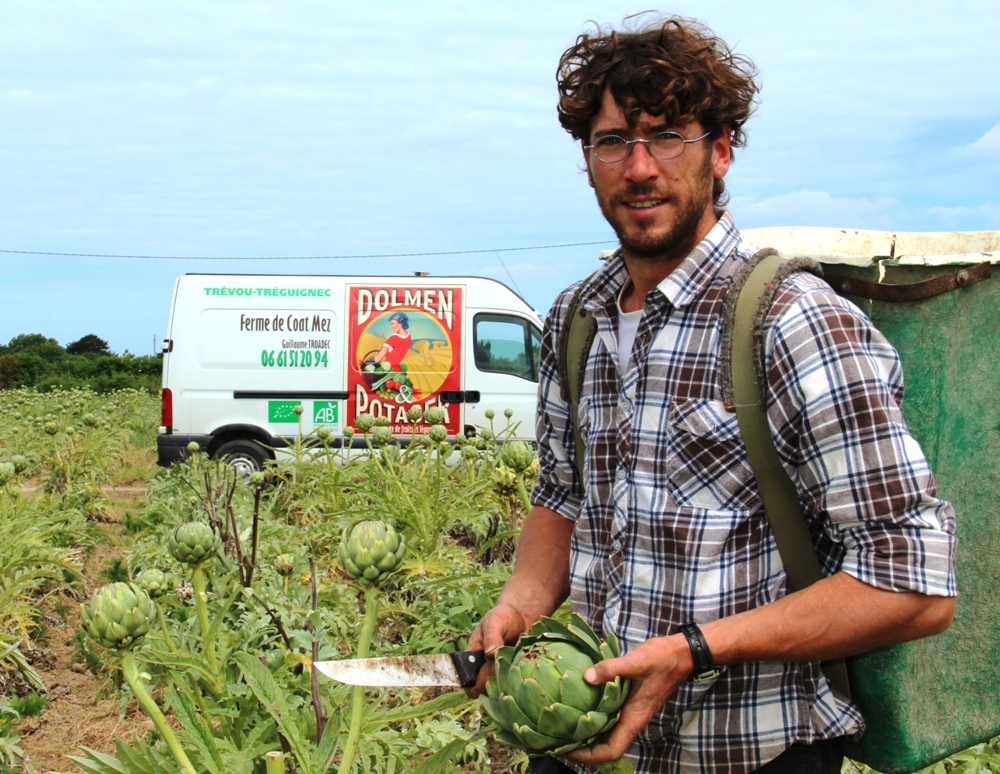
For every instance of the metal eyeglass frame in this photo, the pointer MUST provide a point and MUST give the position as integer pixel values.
(630, 144)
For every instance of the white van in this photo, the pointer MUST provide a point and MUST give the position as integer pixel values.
(242, 351)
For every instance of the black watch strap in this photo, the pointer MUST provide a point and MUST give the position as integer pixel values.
(704, 666)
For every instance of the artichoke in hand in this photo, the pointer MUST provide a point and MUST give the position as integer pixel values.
(119, 615)
(371, 552)
(538, 696)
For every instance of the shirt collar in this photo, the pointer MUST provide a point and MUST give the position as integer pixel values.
(683, 285)
(687, 281)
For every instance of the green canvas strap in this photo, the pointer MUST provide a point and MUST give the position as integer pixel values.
(575, 341)
(754, 291)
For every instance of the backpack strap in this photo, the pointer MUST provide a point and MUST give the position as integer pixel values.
(744, 391)
(575, 340)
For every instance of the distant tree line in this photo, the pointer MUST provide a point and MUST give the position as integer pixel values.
(33, 360)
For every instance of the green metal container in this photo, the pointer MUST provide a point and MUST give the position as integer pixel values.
(925, 700)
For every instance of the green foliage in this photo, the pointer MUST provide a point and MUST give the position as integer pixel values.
(33, 360)
(29, 705)
(115, 571)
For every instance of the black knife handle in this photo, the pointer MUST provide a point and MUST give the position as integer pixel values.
(467, 664)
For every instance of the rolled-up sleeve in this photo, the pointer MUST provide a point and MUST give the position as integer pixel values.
(835, 389)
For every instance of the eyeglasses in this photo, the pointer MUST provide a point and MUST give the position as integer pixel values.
(666, 145)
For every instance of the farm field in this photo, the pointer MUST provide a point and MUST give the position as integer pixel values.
(219, 671)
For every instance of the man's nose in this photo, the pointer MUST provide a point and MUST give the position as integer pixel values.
(641, 164)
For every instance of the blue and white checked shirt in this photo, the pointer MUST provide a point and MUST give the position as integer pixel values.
(671, 528)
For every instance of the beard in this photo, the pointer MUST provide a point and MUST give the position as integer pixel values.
(681, 236)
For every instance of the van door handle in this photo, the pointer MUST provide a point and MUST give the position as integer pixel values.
(460, 396)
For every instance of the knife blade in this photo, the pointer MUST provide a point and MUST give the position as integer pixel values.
(458, 669)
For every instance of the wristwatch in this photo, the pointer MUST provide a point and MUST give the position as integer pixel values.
(704, 667)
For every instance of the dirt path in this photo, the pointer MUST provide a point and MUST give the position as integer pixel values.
(83, 707)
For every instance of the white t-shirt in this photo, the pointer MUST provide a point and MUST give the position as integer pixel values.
(628, 326)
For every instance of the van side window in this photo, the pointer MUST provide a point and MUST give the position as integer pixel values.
(506, 344)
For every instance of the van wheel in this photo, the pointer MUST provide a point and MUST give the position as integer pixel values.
(245, 456)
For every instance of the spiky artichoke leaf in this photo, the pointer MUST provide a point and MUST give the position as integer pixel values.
(589, 726)
(613, 646)
(531, 698)
(502, 660)
(612, 696)
(512, 714)
(535, 740)
(577, 692)
(508, 738)
(492, 707)
(559, 721)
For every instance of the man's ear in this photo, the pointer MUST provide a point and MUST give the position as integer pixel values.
(586, 162)
(722, 153)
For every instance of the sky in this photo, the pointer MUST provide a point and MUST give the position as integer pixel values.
(197, 130)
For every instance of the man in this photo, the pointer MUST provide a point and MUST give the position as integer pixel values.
(667, 527)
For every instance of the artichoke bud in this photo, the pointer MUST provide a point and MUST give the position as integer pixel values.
(323, 433)
(371, 551)
(414, 414)
(153, 582)
(517, 455)
(184, 591)
(381, 436)
(434, 415)
(437, 433)
(7, 472)
(538, 696)
(505, 480)
(489, 413)
(118, 616)
(193, 543)
(364, 422)
(193, 447)
(284, 564)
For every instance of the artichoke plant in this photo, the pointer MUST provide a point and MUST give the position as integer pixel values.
(193, 543)
(538, 696)
(119, 615)
(371, 552)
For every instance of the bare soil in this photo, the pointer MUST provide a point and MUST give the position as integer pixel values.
(84, 708)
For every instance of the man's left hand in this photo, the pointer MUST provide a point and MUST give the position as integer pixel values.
(656, 668)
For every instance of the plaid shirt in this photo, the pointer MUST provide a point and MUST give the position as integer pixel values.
(671, 528)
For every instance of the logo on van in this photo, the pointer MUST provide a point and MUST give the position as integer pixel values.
(282, 411)
(326, 412)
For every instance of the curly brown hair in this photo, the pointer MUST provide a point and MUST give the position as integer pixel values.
(673, 67)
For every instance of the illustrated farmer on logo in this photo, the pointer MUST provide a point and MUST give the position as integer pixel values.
(384, 370)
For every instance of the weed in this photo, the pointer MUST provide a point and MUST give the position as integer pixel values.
(115, 571)
(29, 705)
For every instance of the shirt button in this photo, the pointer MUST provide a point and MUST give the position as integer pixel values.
(626, 404)
(622, 474)
(616, 545)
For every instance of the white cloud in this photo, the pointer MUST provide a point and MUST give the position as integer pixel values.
(989, 143)
(813, 208)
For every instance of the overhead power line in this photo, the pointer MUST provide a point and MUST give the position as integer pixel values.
(303, 257)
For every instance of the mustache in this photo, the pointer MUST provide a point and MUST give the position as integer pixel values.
(637, 189)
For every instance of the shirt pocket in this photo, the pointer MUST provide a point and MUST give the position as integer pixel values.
(707, 466)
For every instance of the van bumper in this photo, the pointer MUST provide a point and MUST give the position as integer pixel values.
(173, 448)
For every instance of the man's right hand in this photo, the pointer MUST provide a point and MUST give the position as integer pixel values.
(500, 626)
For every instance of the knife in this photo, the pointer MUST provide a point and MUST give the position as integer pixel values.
(457, 669)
